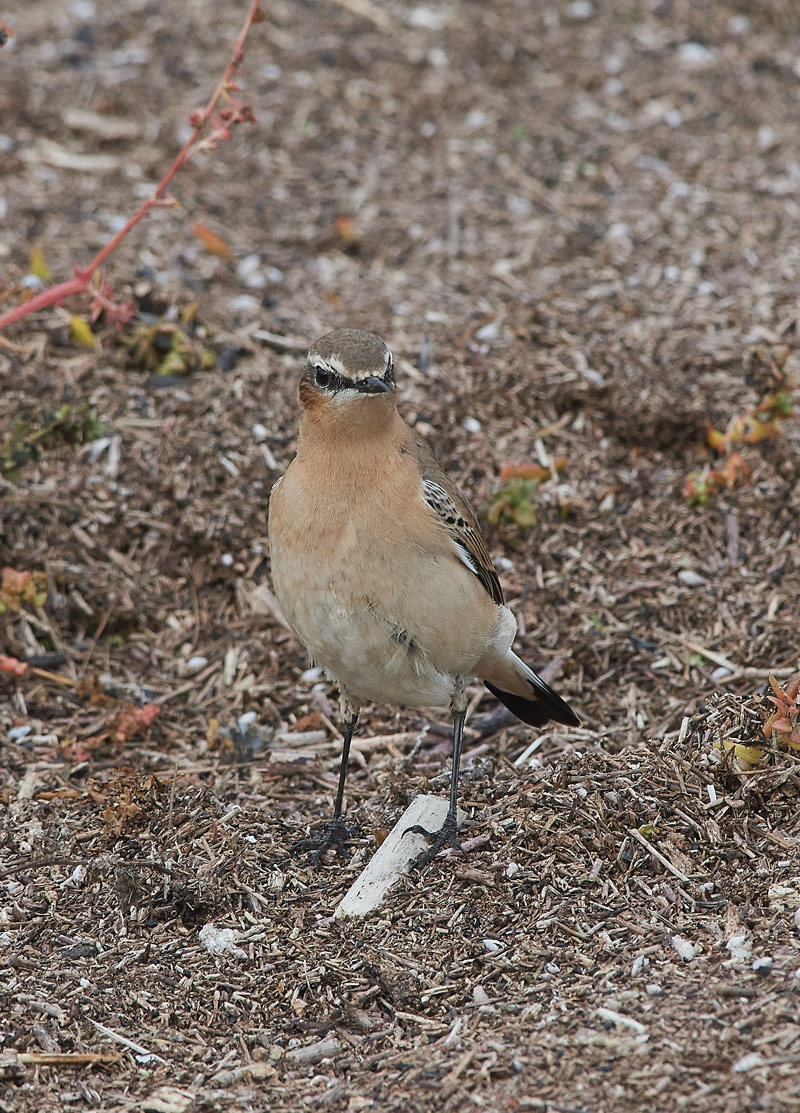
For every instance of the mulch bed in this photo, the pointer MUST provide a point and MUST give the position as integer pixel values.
(577, 228)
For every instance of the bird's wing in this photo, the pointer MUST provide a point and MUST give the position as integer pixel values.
(456, 515)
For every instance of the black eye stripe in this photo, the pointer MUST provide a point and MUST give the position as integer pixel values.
(327, 379)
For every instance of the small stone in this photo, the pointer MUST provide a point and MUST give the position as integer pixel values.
(194, 664)
(489, 331)
(244, 303)
(250, 273)
(690, 578)
(226, 560)
(738, 25)
(767, 139)
(694, 55)
(739, 946)
(747, 1062)
(654, 989)
(580, 10)
(493, 944)
(260, 432)
(762, 965)
(471, 424)
(684, 948)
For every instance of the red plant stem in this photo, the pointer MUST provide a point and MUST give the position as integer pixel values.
(83, 275)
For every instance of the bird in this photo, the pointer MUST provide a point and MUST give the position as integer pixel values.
(380, 569)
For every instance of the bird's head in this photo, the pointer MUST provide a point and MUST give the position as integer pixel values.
(348, 373)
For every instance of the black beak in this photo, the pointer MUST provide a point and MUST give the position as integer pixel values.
(372, 385)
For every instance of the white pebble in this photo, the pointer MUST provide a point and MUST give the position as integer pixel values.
(244, 722)
(226, 560)
(249, 272)
(747, 1062)
(512, 869)
(654, 989)
(767, 139)
(739, 947)
(244, 303)
(639, 964)
(432, 19)
(493, 944)
(684, 948)
(580, 9)
(488, 331)
(194, 664)
(762, 965)
(471, 424)
(694, 55)
(260, 432)
(475, 119)
(16, 733)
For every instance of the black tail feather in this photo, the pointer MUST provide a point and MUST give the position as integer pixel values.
(544, 706)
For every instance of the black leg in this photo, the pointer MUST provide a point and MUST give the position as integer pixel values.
(335, 833)
(448, 833)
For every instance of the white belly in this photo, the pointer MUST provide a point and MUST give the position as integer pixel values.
(373, 660)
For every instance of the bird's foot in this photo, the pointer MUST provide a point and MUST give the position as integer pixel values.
(334, 834)
(446, 836)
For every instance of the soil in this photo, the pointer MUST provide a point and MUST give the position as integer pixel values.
(576, 225)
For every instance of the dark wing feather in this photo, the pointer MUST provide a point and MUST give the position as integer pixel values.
(456, 515)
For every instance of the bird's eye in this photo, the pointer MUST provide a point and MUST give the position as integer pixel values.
(322, 376)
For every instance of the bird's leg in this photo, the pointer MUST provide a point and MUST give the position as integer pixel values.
(335, 833)
(447, 835)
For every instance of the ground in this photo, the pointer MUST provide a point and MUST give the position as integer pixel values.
(576, 225)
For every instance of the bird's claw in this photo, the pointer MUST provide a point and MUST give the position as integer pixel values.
(446, 836)
(335, 834)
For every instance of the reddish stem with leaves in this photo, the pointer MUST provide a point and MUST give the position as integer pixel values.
(236, 112)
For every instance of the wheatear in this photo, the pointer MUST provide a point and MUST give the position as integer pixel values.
(380, 567)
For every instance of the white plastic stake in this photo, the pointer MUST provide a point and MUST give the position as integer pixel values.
(394, 856)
